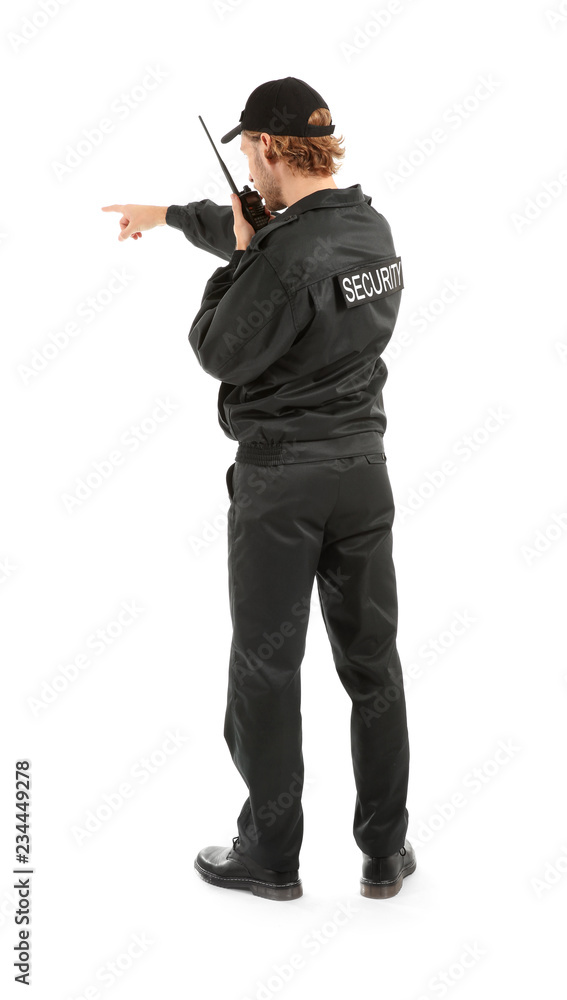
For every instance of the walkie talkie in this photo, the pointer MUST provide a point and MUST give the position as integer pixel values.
(253, 208)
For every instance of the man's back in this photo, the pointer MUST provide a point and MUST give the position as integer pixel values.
(296, 340)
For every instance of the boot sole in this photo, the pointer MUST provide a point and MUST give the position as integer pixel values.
(385, 890)
(268, 890)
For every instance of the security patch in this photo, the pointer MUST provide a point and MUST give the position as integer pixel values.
(369, 283)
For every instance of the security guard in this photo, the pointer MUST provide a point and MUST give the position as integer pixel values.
(293, 326)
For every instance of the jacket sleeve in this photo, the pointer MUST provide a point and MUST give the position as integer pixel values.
(206, 225)
(245, 322)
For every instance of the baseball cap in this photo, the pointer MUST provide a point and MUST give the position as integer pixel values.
(281, 107)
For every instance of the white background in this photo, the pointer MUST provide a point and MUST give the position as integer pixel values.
(486, 211)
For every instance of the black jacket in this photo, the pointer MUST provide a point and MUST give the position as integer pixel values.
(294, 325)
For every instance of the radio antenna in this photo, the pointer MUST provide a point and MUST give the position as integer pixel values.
(225, 171)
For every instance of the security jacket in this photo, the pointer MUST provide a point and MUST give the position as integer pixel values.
(294, 326)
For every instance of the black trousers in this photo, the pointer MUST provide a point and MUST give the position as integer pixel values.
(294, 518)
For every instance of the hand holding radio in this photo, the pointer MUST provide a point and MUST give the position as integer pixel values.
(242, 229)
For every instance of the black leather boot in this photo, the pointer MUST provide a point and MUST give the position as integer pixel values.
(383, 877)
(227, 868)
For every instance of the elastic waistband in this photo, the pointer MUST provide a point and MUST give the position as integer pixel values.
(288, 452)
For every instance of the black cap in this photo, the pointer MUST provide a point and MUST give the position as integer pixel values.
(281, 107)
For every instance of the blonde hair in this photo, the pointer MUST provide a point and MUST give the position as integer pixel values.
(315, 155)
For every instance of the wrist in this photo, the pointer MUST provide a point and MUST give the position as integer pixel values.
(161, 212)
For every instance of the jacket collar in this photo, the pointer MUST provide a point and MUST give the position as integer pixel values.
(327, 198)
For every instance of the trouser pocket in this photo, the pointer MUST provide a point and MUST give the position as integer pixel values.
(376, 457)
(229, 475)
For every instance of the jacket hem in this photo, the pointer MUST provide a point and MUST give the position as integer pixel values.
(289, 452)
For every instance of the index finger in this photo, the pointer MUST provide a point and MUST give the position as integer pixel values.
(113, 208)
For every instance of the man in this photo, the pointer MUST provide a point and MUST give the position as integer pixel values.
(293, 327)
